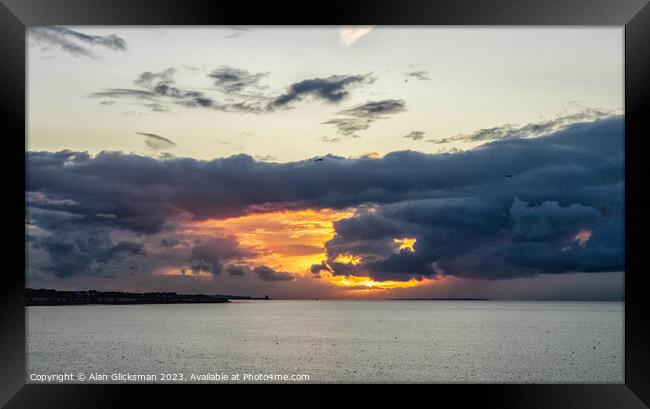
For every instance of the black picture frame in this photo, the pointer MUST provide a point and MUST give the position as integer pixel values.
(15, 15)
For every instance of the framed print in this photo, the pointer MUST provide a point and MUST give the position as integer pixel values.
(445, 194)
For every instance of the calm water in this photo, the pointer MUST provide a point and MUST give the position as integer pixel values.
(337, 341)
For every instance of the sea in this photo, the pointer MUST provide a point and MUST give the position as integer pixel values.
(322, 341)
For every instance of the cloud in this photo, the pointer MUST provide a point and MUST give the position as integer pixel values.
(419, 75)
(316, 269)
(266, 158)
(237, 270)
(329, 139)
(530, 130)
(331, 89)
(74, 42)
(349, 126)
(415, 135)
(169, 242)
(237, 32)
(88, 250)
(561, 209)
(375, 109)
(363, 115)
(156, 142)
(350, 34)
(242, 89)
(157, 89)
(210, 255)
(235, 80)
(268, 274)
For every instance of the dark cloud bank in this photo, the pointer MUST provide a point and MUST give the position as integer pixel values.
(512, 208)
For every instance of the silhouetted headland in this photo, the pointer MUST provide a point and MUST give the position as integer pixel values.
(54, 297)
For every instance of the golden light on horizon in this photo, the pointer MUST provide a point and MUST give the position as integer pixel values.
(370, 284)
(293, 241)
(290, 240)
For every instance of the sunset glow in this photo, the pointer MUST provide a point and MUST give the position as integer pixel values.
(370, 284)
(287, 240)
(348, 259)
(349, 164)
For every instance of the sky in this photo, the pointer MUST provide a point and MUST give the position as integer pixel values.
(327, 162)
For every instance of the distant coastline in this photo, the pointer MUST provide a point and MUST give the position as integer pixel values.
(42, 296)
(439, 299)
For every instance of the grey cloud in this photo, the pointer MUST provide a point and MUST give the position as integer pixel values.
(123, 93)
(156, 142)
(242, 89)
(265, 158)
(349, 126)
(362, 116)
(415, 135)
(530, 130)
(78, 249)
(235, 80)
(209, 256)
(237, 270)
(329, 139)
(316, 269)
(74, 42)
(169, 242)
(237, 32)
(149, 79)
(156, 90)
(375, 109)
(268, 274)
(419, 75)
(331, 89)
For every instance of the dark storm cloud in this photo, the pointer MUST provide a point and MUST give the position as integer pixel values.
(74, 42)
(237, 270)
(169, 242)
(331, 89)
(419, 75)
(362, 116)
(235, 80)
(316, 269)
(210, 255)
(513, 207)
(268, 274)
(529, 130)
(156, 142)
(74, 249)
(415, 135)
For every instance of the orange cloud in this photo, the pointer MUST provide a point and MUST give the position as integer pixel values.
(293, 241)
(287, 240)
